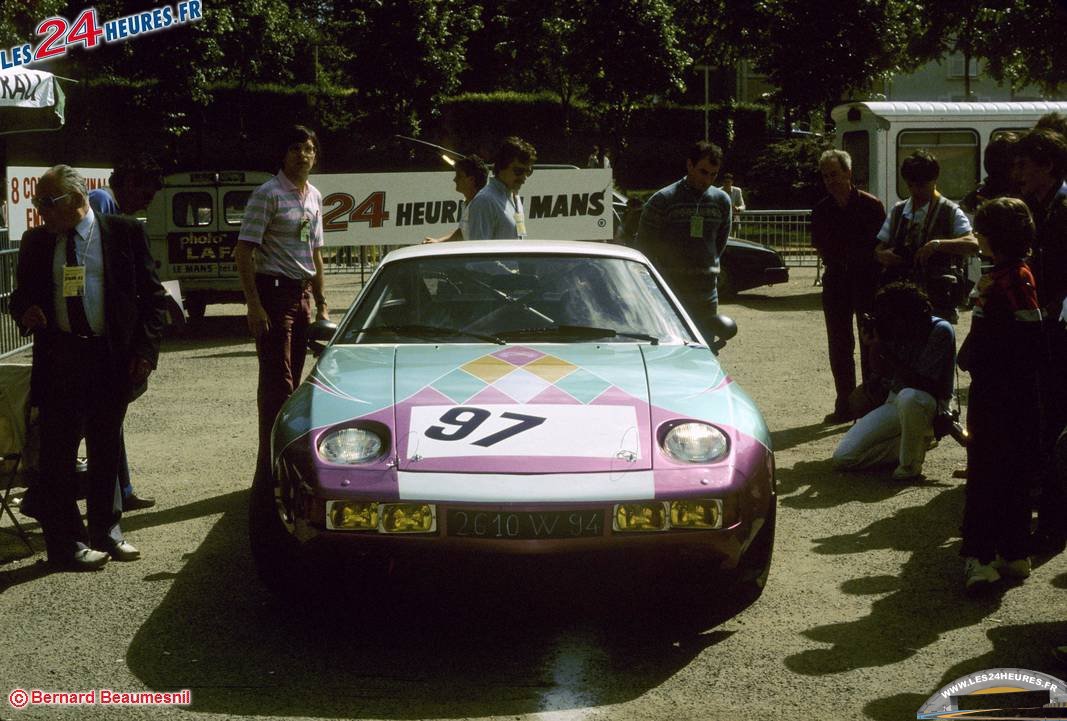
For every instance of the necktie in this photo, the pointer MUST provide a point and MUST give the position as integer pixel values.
(79, 323)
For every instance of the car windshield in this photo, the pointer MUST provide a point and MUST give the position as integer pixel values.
(514, 298)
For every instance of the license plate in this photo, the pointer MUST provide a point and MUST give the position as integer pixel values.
(525, 524)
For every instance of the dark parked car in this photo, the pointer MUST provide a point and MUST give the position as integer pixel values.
(744, 264)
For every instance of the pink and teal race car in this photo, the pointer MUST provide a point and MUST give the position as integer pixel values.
(518, 398)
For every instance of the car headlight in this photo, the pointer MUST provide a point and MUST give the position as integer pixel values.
(350, 445)
(695, 443)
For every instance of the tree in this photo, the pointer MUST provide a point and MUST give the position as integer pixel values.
(403, 56)
(542, 48)
(1025, 44)
(635, 57)
(815, 60)
(19, 20)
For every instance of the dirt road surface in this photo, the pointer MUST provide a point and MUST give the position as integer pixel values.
(864, 616)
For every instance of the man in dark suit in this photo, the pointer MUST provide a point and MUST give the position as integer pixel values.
(87, 288)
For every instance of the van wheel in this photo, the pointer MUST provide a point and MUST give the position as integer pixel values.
(196, 307)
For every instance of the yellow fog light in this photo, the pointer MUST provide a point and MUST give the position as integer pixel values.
(649, 516)
(351, 515)
(696, 514)
(409, 518)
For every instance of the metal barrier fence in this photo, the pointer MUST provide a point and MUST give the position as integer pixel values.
(787, 231)
(11, 341)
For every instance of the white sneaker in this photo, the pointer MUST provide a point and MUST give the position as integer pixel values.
(979, 575)
(1019, 569)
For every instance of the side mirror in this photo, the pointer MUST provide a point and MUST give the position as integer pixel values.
(725, 329)
(319, 334)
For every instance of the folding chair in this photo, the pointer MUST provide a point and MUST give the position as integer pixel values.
(14, 414)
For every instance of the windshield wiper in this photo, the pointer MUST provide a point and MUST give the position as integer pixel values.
(424, 331)
(581, 331)
(508, 298)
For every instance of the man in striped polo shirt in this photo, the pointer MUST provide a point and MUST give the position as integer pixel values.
(279, 258)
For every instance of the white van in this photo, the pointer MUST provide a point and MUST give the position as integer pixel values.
(879, 135)
(193, 224)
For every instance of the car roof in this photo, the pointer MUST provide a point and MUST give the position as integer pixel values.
(508, 247)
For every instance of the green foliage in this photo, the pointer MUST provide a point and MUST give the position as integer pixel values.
(403, 56)
(815, 59)
(1028, 41)
(786, 175)
(19, 19)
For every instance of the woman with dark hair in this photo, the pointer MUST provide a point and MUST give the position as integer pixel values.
(1001, 353)
(471, 176)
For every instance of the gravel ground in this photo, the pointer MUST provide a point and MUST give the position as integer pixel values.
(864, 616)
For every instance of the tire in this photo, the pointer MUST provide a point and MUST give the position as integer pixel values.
(277, 556)
(750, 577)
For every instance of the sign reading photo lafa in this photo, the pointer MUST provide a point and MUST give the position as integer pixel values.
(998, 693)
(20, 186)
(404, 208)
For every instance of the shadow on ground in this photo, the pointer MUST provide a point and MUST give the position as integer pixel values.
(805, 301)
(916, 608)
(431, 640)
(817, 484)
(1026, 646)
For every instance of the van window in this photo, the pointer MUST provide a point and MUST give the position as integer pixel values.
(233, 204)
(1001, 131)
(955, 150)
(858, 145)
(190, 210)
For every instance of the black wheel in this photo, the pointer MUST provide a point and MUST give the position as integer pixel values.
(276, 554)
(750, 576)
(196, 307)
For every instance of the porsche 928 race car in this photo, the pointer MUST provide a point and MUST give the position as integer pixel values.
(518, 398)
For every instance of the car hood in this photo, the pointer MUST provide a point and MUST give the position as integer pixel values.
(542, 409)
(528, 409)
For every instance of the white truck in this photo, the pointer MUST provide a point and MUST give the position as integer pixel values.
(879, 135)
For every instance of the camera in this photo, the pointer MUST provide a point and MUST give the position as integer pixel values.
(947, 423)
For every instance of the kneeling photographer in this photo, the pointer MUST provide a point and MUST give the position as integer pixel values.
(916, 352)
(1001, 353)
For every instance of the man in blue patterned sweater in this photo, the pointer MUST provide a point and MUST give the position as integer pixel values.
(683, 231)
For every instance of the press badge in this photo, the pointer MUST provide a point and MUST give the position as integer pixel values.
(73, 281)
(305, 231)
(520, 224)
(696, 226)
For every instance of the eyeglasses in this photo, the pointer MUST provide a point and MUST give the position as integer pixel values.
(47, 203)
(521, 170)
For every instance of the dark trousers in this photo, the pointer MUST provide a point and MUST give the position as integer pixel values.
(281, 351)
(83, 395)
(699, 295)
(843, 300)
(1002, 459)
(1052, 507)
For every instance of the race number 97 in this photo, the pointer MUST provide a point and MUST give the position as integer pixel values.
(458, 423)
